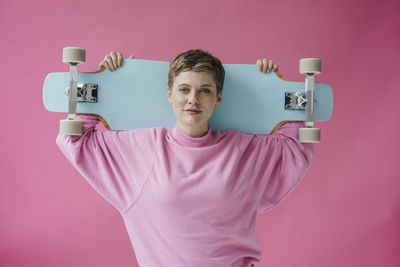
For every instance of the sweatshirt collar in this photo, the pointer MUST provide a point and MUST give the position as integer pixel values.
(182, 138)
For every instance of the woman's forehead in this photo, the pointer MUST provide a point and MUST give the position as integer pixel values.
(195, 78)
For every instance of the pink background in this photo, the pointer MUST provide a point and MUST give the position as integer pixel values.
(344, 213)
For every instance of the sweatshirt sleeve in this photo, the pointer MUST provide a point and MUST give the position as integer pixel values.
(115, 163)
(275, 164)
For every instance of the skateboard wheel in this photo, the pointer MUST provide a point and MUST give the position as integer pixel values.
(310, 65)
(71, 127)
(74, 55)
(309, 135)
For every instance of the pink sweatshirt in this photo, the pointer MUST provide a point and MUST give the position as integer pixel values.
(190, 202)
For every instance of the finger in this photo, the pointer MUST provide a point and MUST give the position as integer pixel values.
(269, 65)
(131, 56)
(110, 63)
(107, 63)
(107, 66)
(275, 68)
(265, 65)
(102, 65)
(259, 64)
(119, 59)
(114, 59)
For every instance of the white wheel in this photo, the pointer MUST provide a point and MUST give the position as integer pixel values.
(74, 55)
(310, 65)
(309, 135)
(71, 127)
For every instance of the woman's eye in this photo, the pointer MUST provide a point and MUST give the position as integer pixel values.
(206, 91)
(183, 89)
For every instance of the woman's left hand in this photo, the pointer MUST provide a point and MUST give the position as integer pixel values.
(265, 65)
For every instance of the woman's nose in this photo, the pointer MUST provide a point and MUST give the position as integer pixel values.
(193, 99)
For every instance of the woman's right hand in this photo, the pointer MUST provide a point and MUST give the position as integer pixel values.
(112, 61)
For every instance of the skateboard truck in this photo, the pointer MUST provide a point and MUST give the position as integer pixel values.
(72, 56)
(295, 101)
(309, 66)
(85, 92)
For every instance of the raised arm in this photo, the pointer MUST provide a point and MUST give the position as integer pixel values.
(111, 62)
(266, 66)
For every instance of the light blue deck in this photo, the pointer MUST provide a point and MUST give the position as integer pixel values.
(135, 96)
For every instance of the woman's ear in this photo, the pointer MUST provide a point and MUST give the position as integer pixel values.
(169, 94)
(219, 99)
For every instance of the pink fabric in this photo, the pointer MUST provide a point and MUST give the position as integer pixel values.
(190, 201)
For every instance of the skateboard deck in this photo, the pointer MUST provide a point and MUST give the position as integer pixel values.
(135, 96)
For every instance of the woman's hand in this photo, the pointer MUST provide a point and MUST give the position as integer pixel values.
(265, 65)
(112, 61)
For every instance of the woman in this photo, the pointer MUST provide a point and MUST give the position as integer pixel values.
(190, 196)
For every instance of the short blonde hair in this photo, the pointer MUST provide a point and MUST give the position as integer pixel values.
(197, 60)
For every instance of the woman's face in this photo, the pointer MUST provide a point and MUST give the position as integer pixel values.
(193, 97)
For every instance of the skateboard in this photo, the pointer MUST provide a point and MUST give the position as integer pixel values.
(135, 96)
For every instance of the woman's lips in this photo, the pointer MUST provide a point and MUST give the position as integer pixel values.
(193, 112)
